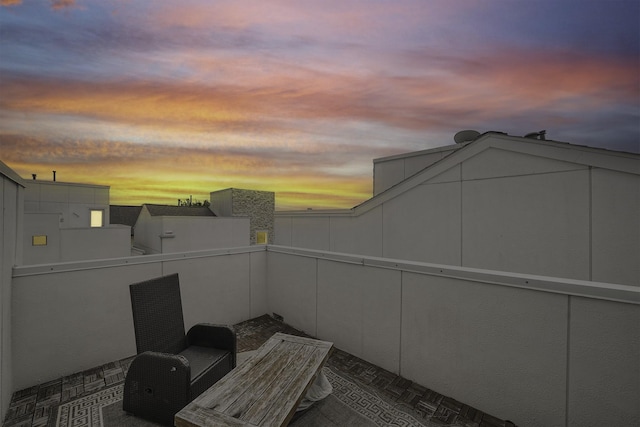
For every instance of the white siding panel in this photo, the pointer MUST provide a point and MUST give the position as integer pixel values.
(214, 290)
(292, 290)
(311, 232)
(358, 234)
(535, 224)
(424, 224)
(496, 348)
(359, 310)
(615, 227)
(604, 363)
(387, 174)
(493, 162)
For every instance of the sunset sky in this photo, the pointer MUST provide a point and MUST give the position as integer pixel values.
(166, 99)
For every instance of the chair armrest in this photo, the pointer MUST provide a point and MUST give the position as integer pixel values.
(157, 379)
(216, 336)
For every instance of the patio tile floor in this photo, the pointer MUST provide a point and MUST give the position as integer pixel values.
(37, 406)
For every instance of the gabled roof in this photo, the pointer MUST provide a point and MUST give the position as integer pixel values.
(549, 149)
(166, 210)
(125, 215)
(10, 174)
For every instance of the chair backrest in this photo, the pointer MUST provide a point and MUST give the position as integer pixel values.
(157, 315)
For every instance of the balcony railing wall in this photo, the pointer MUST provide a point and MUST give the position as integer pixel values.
(73, 316)
(536, 350)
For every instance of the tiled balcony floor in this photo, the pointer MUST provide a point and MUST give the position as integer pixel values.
(37, 406)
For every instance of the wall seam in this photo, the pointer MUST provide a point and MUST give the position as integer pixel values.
(404, 169)
(315, 333)
(568, 363)
(461, 218)
(382, 254)
(590, 223)
(331, 247)
(362, 309)
(400, 341)
(250, 285)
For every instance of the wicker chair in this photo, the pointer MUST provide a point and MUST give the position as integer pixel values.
(171, 369)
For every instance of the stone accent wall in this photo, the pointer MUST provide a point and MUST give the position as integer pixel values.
(259, 206)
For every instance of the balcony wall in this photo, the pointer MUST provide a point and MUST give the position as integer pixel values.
(166, 234)
(539, 351)
(68, 317)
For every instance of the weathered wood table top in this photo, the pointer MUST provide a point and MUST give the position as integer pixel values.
(263, 391)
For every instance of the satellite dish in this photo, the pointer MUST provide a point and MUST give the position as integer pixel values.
(466, 136)
(537, 135)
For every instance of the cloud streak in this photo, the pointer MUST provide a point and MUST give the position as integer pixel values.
(498, 84)
(282, 92)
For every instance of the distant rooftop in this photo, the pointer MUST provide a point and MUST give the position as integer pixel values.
(166, 210)
(124, 215)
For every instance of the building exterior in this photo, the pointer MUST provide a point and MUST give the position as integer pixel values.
(164, 229)
(124, 215)
(500, 202)
(77, 205)
(68, 222)
(258, 206)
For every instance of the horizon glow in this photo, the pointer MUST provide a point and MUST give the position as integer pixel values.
(162, 100)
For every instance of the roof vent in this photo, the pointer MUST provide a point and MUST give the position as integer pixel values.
(466, 136)
(537, 135)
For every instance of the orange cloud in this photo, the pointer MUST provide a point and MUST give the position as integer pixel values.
(265, 100)
(55, 4)
(62, 4)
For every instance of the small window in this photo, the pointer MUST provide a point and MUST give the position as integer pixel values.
(97, 218)
(39, 240)
(262, 237)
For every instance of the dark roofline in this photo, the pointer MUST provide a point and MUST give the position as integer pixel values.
(172, 210)
(11, 174)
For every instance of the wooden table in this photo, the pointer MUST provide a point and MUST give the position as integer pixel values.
(263, 391)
